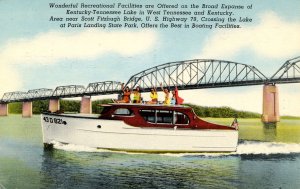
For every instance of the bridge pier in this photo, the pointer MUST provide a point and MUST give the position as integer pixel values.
(54, 105)
(86, 105)
(27, 109)
(3, 109)
(270, 104)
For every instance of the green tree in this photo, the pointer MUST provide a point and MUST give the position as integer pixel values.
(96, 105)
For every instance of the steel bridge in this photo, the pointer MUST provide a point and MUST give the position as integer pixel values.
(190, 74)
(68, 91)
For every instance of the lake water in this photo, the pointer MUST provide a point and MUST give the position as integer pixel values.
(266, 158)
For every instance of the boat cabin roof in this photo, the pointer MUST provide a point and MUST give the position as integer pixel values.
(151, 106)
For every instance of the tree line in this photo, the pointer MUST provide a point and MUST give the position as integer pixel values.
(73, 106)
(222, 112)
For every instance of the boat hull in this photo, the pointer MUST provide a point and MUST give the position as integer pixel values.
(117, 135)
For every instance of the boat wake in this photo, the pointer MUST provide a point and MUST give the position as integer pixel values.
(256, 147)
(244, 148)
(76, 148)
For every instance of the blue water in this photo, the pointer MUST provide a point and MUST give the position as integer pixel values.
(256, 164)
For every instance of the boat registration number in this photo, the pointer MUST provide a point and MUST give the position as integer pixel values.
(54, 120)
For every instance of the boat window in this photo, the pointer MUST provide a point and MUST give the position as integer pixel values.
(159, 116)
(164, 116)
(148, 115)
(180, 118)
(122, 111)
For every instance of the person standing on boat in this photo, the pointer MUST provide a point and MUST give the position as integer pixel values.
(126, 95)
(167, 94)
(137, 95)
(153, 96)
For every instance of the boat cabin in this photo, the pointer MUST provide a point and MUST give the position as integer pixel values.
(144, 115)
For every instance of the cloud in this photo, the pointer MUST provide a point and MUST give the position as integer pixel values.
(54, 46)
(271, 38)
(237, 98)
(9, 79)
(243, 98)
(289, 103)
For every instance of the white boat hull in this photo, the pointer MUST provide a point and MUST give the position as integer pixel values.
(116, 135)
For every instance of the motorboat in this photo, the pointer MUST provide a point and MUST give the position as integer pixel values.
(150, 128)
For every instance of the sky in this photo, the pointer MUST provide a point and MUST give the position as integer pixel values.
(36, 53)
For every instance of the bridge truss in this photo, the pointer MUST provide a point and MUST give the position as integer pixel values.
(194, 74)
(68, 91)
(40, 94)
(106, 87)
(13, 96)
(289, 72)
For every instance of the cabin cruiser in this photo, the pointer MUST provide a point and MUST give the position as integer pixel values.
(151, 128)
